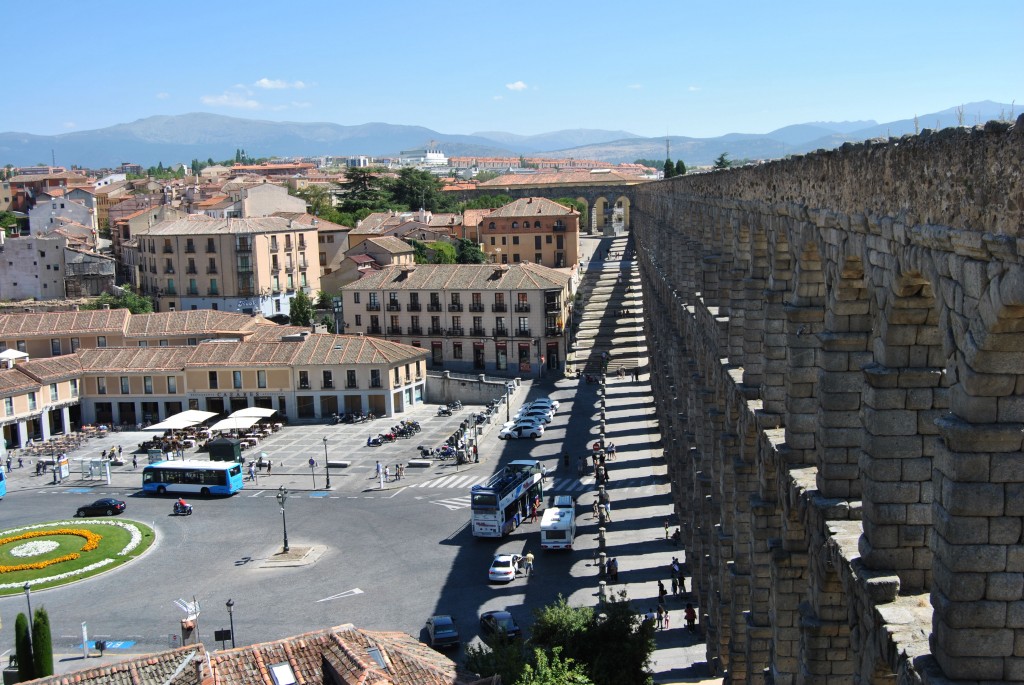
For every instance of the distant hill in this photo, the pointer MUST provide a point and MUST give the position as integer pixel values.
(180, 138)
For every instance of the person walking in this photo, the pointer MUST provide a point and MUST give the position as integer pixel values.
(595, 507)
(398, 472)
(9, 461)
(636, 374)
(664, 618)
(387, 474)
(675, 585)
(666, 529)
(533, 513)
(661, 615)
(135, 462)
(691, 617)
(528, 557)
(615, 570)
(377, 476)
(119, 451)
(661, 592)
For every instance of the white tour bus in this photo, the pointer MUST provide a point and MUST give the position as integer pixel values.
(558, 526)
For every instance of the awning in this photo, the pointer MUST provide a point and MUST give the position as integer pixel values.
(233, 423)
(181, 420)
(253, 411)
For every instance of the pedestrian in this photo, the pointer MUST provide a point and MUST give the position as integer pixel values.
(666, 529)
(661, 616)
(378, 471)
(595, 507)
(387, 474)
(661, 592)
(9, 460)
(614, 570)
(649, 616)
(608, 508)
(269, 465)
(135, 462)
(119, 451)
(529, 563)
(252, 473)
(398, 472)
(533, 513)
(636, 374)
(664, 618)
(691, 617)
(21, 464)
(675, 586)
(581, 466)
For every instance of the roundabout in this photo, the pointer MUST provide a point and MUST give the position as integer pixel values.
(47, 555)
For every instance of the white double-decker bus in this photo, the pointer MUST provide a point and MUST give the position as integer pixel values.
(503, 502)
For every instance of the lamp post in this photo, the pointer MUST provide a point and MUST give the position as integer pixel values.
(327, 469)
(282, 497)
(508, 400)
(231, 616)
(28, 598)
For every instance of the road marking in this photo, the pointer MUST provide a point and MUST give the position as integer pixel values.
(453, 504)
(257, 493)
(347, 593)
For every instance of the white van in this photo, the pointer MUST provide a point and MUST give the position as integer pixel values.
(558, 525)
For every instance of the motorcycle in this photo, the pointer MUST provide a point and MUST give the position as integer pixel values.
(335, 419)
(182, 509)
(444, 411)
(375, 442)
(456, 405)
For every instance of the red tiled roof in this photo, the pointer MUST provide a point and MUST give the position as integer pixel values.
(68, 323)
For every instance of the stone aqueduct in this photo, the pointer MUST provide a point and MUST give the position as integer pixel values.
(838, 367)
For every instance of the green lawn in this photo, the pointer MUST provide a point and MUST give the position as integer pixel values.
(114, 539)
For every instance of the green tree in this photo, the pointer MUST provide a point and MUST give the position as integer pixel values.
(317, 197)
(580, 206)
(420, 254)
(680, 168)
(23, 648)
(502, 657)
(415, 188)
(553, 670)
(8, 222)
(469, 252)
(487, 202)
(444, 253)
(723, 161)
(42, 645)
(323, 300)
(669, 168)
(327, 322)
(300, 309)
(485, 176)
(128, 299)
(652, 163)
(365, 189)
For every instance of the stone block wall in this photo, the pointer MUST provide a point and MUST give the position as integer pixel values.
(838, 365)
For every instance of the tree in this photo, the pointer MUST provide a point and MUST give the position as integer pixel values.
(8, 221)
(128, 299)
(487, 202)
(469, 252)
(42, 645)
(23, 648)
(652, 163)
(327, 322)
(300, 309)
(503, 657)
(416, 189)
(365, 189)
(680, 168)
(323, 300)
(553, 670)
(669, 168)
(317, 197)
(723, 161)
(444, 253)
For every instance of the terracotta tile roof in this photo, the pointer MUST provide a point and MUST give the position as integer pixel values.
(530, 207)
(135, 359)
(521, 276)
(473, 217)
(307, 218)
(197, 321)
(266, 354)
(62, 175)
(200, 224)
(326, 348)
(362, 259)
(67, 323)
(581, 177)
(53, 369)
(391, 245)
(173, 667)
(14, 382)
(272, 332)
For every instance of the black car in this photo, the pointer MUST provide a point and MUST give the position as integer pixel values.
(101, 507)
(441, 632)
(499, 623)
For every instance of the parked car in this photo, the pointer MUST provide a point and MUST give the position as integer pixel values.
(499, 624)
(442, 632)
(102, 507)
(503, 568)
(544, 402)
(542, 415)
(521, 430)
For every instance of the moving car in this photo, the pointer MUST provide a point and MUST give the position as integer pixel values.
(503, 568)
(101, 507)
(521, 430)
(441, 632)
(499, 624)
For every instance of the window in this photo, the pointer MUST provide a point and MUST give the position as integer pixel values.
(504, 259)
(492, 240)
(372, 300)
(147, 385)
(212, 379)
(515, 240)
(350, 379)
(359, 319)
(515, 225)
(74, 387)
(53, 392)
(304, 380)
(101, 341)
(515, 258)
(355, 298)
(126, 387)
(163, 343)
(236, 380)
(524, 323)
(55, 347)
(503, 240)
(492, 227)
(538, 258)
(9, 406)
(101, 386)
(75, 344)
(172, 385)
(328, 379)
(374, 378)
(21, 346)
(536, 242)
(457, 350)
(536, 224)
(261, 379)
(547, 239)
(143, 343)
(192, 342)
(31, 401)
(396, 377)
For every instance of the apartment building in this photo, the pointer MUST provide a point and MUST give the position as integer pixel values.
(508, 319)
(252, 266)
(40, 397)
(532, 229)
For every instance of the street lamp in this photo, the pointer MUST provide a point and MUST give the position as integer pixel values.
(508, 400)
(282, 497)
(231, 617)
(327, 468)
(28, 598)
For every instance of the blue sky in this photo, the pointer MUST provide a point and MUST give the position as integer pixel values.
(652, 68)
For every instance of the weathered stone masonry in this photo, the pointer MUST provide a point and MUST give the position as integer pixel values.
(838, 366)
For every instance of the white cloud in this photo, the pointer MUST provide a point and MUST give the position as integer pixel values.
(634, 86)
(162, 96)
(301, 105)
(278, 84)
(518, 85)
(70, 124)
(693, 89)
(498, 97)
(230, 99)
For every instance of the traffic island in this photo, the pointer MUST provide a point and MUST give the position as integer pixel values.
(297, 555)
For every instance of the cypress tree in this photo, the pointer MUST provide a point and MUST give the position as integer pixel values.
(680, 168)
(42, 645)
(23, 648)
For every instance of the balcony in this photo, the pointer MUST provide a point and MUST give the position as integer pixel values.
(374, 383)
(245, 268)
(243, 247)
(373, 330)
(499, 332)
(274, 268)
(522, 332)
(168, 249)
(211, 269)
(394, 307)
(522, 307)
(415, 330)
(373, 306)
(191, 270)
(499, 307)
(288, 269)
(328, 385)
(413, 307)
(553, 332)
(476, 306)
(168, 269)
(434, 307)
(193, 291)
(246, 292)
(190, 249)
(559, 226)
(171, 291)
(435, 330)
(303, 385)
(213, 292)
(351, 385)
(455, 307)
(394, 330)
(456, 331)
(273, 247)
(552, 307)
(478, 332)
(210, 249)
(288, 245)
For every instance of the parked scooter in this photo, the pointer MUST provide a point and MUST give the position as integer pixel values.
(444, 411)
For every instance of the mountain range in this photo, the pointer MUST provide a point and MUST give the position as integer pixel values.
(181, 138)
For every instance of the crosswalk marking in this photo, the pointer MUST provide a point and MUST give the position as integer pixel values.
(466, 482)
(453, 504)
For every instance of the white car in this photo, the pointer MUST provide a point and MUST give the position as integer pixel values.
(503, 568)
(544, 402)
(541, 415)
(521, 430)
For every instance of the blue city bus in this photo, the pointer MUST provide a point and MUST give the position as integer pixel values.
(193, 477)
(3, 482)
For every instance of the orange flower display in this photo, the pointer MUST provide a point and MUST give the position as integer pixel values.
(92, 541)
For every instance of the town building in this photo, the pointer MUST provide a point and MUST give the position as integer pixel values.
(332, 239)
(25, 187)
(254, 265)
(52, 266)
(508, 319)
(253, 200)
(406, 224)
(426, 156)
(533, 229)
(47, 215)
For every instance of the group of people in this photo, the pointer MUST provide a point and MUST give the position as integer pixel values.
(385, 472)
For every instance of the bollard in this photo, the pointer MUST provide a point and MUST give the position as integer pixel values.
(602, 496)
(602, 424)
(602, 560)
(602, 591)
(601, 538)
(603, 417)
(602, 514)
